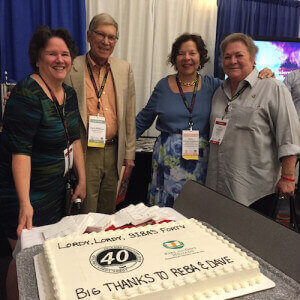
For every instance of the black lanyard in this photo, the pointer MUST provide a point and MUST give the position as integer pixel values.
(61, 113)
(98, 93)
(235, 96)
(191, 107)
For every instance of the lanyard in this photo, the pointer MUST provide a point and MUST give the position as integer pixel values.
(61, 113)
(98, 93)
(189, 108)
(240, 92)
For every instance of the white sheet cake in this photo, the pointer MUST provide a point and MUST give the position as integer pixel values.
(173, 260)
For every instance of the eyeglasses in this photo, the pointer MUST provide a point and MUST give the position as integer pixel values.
(101, 36)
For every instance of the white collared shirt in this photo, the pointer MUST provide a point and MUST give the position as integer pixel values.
(263, 127)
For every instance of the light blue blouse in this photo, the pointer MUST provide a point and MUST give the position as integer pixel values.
(172, 114)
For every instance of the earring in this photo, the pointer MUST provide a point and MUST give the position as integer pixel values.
(199, 69)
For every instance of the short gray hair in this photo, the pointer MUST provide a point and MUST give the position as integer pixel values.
(103, 18)
(240, 37)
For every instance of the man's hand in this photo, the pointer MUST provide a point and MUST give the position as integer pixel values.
(129, 163)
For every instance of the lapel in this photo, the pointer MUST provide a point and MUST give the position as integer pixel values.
(77, 77)
(115, 70)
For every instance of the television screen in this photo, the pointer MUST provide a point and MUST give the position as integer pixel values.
(281, 55)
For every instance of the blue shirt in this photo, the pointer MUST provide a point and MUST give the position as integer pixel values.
(171, 112)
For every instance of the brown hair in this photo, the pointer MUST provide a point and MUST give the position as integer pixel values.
(240, 37)
(40, 39)
(197, 39)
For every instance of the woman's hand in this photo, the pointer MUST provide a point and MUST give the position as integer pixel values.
(80, 191)
(285, 187)
(286, 184)
(266, 73)
(25, 218)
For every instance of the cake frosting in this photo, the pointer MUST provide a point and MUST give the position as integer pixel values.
(176, 260)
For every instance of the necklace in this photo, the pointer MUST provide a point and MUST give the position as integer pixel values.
(186, 83)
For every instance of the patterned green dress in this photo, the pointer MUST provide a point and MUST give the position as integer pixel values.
(32, 127)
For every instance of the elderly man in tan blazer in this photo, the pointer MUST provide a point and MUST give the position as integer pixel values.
(106, 92)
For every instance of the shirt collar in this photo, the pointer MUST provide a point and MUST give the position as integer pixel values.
(92, 62)
(251, 79)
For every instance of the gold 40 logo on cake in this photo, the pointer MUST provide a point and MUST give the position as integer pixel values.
(116, 259)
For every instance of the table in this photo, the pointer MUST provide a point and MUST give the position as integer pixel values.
(286, 288)
(141, 174)
(273, 242)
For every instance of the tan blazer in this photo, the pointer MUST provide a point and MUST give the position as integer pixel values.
(125, 98)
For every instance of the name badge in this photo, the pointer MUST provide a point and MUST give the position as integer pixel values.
(96, 132)
(190, 144)
(68, 154)
(218, 131)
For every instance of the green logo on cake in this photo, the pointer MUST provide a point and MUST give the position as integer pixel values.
(173, 244)
(116, 259)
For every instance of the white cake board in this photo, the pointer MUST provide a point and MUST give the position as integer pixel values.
(46, 291)
(45, 288)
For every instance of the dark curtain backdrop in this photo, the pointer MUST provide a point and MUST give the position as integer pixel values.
(256, 17)
(18, 21)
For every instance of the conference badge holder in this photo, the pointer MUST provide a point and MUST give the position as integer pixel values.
(218, 131)
(96, 132)
(190, 138)
(68, 155)
(190, 144)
